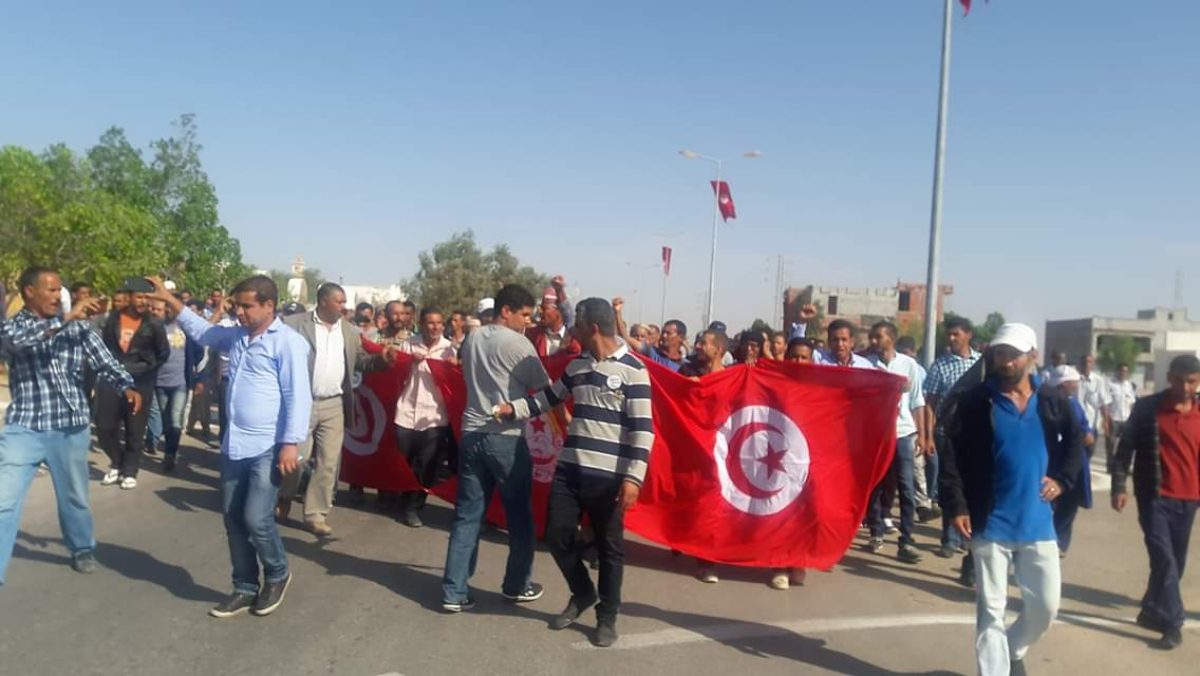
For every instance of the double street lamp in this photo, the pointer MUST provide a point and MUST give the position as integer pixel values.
(712, 268)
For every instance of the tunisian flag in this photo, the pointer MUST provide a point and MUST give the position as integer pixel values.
(724, 199)
(770, 465)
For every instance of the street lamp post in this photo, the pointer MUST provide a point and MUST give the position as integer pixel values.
(712, 266)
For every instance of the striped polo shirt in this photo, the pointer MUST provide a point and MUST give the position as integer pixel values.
(611, 430)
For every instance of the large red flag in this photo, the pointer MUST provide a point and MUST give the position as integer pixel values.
(769, 465)
(724, 199)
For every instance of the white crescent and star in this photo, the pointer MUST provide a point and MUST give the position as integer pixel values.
(762, 460)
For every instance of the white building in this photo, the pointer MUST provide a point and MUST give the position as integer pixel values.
(1159, 332)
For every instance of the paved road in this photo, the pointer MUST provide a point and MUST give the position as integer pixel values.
(367, 603)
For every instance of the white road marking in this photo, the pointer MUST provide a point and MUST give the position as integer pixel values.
(751, 630)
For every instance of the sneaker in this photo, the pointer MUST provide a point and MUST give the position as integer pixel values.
(708, 575)
(319, 528)
(798, 575)
(875, 546)
(906, 554)
(946, 552)
(531, 592)
(458, 606)
(270, 596)
(236, 604)
(927, 514)
(1171, 639)
(889, 527)
(606, 633)
(84, 562)
(412, 520)
(128, 483)
(779, 580)
(574, 609)
(110, 478)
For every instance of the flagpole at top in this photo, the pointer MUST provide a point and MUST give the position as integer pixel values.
(939, 168)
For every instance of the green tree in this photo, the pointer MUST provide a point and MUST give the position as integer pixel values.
(1117, 350)
(987, 330)
(760, 326)
(456, 273)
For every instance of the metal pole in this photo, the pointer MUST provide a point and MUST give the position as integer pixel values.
(712, 268)
(662, 313)
(939, 168)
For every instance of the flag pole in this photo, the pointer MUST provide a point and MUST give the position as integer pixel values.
(939, 168)
(662, 313)
(712, 265)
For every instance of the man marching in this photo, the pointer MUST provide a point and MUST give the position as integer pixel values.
(269, 401)
(603, 461)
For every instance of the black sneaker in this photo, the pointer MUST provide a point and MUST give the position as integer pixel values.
(531, 592)
(606, 633)
(458, 606)
(574, 609)
(270, 596)
(236, 604)
(1171, 639)
(84, 562)
(907, 554)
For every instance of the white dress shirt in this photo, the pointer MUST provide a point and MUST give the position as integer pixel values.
(420, 406)
(1094, 397)
(1121, 395)
(913, 396)
(329, 364)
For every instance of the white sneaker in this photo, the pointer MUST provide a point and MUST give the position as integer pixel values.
(111, 478)
(128, 483)
(779, 580)
(708, 575)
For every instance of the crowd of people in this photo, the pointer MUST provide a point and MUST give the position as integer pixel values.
(995, 448)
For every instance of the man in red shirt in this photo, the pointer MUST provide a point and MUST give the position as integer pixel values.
(551, 335)
(1162, 440)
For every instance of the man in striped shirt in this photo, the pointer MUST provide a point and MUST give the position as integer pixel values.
(603, 460)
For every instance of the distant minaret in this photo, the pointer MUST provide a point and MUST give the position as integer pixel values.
(297, 288)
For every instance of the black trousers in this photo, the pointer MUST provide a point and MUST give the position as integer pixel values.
(122, 433)
(1166, 527)
(426, 451)
(570, 498)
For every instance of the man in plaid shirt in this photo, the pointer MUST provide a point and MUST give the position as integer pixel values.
(48, 420)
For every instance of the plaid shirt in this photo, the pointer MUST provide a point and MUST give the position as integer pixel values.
(946, 370)
(45, 365)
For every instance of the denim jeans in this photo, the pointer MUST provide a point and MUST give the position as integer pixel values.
(1166, 527)
(487, 462)
(1038, 577)
(249, 488)
(902, 465)
(171, 402)
(65, 452)
(154, 423)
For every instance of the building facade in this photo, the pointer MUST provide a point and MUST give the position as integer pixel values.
(902, 304)
(1158, 332)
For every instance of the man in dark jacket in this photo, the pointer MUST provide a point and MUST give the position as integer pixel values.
(1013, 450)
(140, 344)
(1162, 440)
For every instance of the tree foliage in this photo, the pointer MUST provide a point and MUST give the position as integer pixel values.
(456, 273)
(1117, 350)
(108, 214)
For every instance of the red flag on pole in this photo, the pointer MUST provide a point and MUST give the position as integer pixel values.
(966, 5)
(666, 258)
(724, 199)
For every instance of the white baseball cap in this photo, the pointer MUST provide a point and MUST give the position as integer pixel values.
(1063, 374)
(1018, 336)
(485, 305)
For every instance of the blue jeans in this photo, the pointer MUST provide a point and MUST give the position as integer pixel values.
(487, 462)
(902, 465)
(154, 423)
(171, 402)
(65, 451)
(249, 488)
(950, 536)
(1166, 527)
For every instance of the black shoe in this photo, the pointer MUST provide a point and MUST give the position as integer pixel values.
(907, 554)
(1148, 621)
(946, 552)
(574, 609)
(270, 596)
(412, 520)
(606, 633)
(168, 463)
(927, 514)
(84, 562)
(1171, 639)
(458, 606)
(531, 592)
(236, 604)
(967, 577)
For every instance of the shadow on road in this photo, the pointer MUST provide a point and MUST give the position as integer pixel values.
(767, 641)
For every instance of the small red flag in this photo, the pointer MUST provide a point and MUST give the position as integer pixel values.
(666, 255)
(724, 199)
(966, 5)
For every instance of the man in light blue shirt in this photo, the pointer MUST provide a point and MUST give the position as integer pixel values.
(840, 348)
(269, 401)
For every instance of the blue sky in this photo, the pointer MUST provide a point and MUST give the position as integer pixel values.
(360, 134)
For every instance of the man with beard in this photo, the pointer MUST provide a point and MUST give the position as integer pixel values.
(551, 335)
(140, 344)
(1014, 449)
(400, 322)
